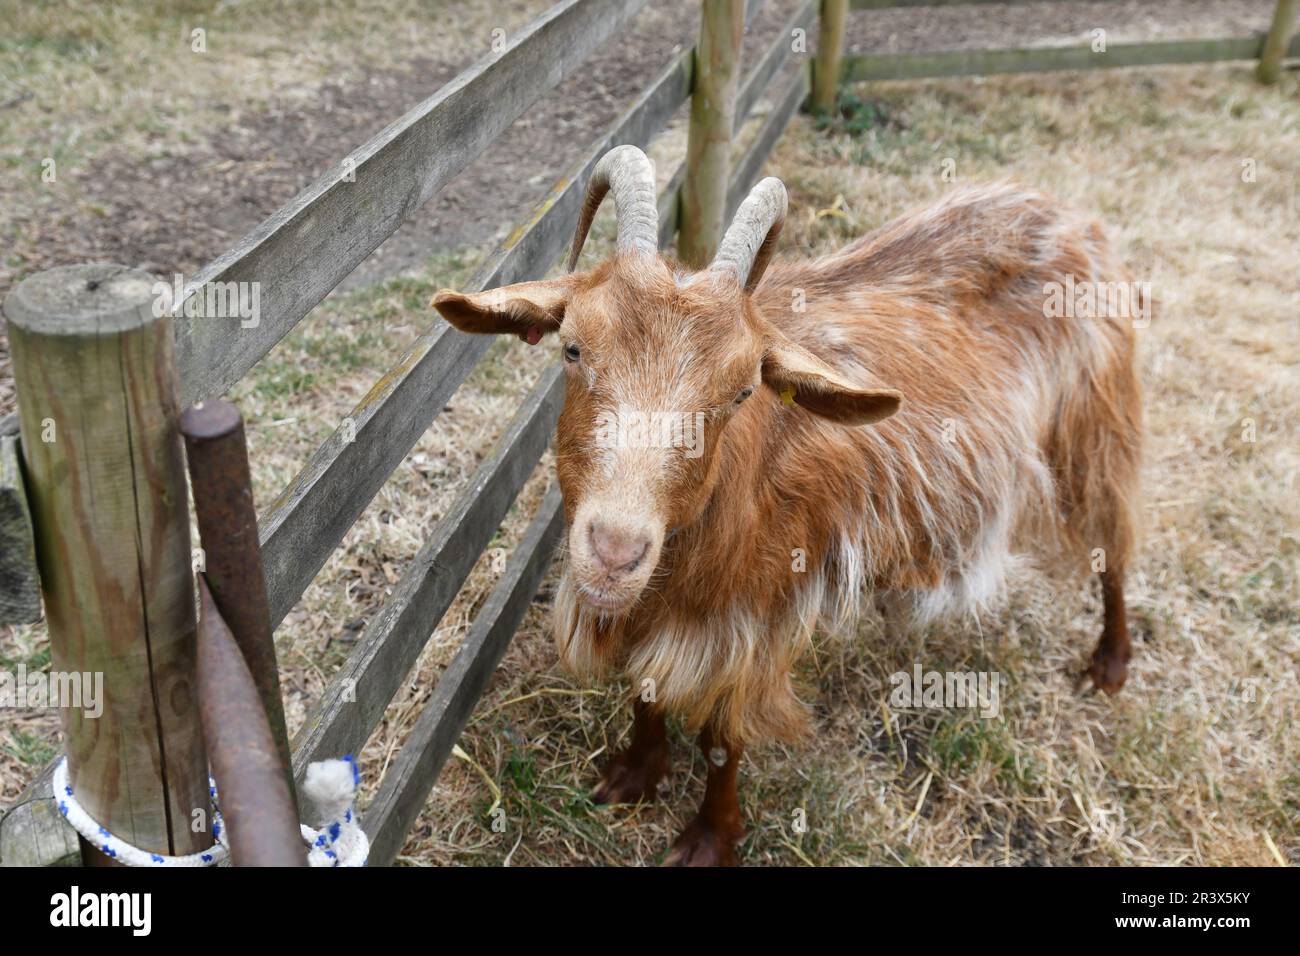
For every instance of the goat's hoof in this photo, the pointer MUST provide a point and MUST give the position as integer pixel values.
(705, 844)
(632, 778)
(1109, 669)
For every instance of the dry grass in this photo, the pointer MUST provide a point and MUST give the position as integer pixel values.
(1182, 767)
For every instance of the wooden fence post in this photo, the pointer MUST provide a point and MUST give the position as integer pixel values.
(97, 400)
(830, 49)
(708, 145)
(20, 592)
(1275, 43)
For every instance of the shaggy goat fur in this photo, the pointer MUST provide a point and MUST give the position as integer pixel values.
(1017, 432)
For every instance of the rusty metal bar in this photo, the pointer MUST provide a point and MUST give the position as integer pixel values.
(232, 559)
(252, 781)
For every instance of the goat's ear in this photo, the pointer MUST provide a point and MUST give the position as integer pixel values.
(526, 309)
(802, 379)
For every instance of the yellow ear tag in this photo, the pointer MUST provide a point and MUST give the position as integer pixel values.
(787, 396)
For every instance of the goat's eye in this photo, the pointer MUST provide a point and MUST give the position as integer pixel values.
(745, 392)
(572, 353)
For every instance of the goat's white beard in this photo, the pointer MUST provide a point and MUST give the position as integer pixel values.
(574, 625)
(733, 669)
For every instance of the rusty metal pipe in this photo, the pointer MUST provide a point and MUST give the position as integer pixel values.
(260, 816)
(223, 500)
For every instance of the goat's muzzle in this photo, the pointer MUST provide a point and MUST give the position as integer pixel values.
(612, 557)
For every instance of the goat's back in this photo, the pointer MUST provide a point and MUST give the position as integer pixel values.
(1016, 423)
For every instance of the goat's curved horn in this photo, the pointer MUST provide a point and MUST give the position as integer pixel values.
(628, 172)
(747, 247)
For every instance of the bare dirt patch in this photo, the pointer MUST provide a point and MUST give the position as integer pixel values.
(167, 157)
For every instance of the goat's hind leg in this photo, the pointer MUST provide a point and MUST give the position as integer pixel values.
(633, 774)
(1109, 666)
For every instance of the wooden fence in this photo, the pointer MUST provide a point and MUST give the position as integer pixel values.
(1268, 48)
(298, 256)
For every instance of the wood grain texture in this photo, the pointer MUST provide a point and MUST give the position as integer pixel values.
(1275, 43)
(353, 703)
(300, 529)
(20, 585)
(751, 91)
(830, 50)
(96, 386)
(670, 207)
(549, 225)
(708, 143)
(911, 66)
(414, 770)
(33, 832)
(305, 249)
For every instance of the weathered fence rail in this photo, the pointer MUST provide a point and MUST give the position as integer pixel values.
(886, 4)
(915, 66)
(411, 776)
(308, 520)
(1268, 47)
(354, 702)
(302, 252)
(298, 256)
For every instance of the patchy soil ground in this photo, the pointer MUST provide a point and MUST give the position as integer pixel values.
(164, 157)
(1194, 763)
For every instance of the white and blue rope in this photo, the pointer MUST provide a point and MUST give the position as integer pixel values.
(331, 785)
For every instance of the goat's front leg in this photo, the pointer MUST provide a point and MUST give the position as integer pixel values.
(710, 839)
(633, 774)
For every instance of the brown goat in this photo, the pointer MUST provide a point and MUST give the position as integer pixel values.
(741, 461)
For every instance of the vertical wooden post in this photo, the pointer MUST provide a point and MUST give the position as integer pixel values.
(1275, 43)
(97, 402)
(830, 50)
(20, 591)
(708, 145)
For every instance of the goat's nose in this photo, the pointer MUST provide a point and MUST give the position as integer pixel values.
(618, 549)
